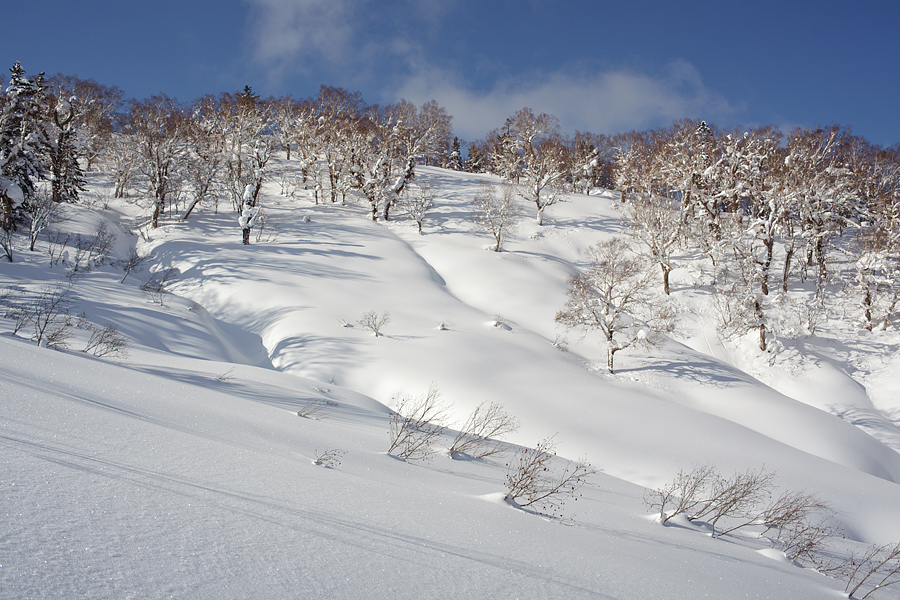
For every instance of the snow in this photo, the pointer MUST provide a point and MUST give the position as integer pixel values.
(184, 470)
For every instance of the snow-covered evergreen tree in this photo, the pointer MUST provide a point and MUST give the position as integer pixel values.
(454, 161)
(21, 142)
(66, 175)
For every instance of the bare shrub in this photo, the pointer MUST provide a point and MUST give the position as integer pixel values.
(479, 435)
(225, 376)
(46, 315)
(416, 425)
(374, 322)
(56, 246)
(107, 341)
(788, 509)
(802, 522)
(92, 250)
(134, 262)
(155, 287)
(329, 458)
(531, 483)
(805, 539)
(879, 567)
(686, 493)
(312, 410)
(736, 497)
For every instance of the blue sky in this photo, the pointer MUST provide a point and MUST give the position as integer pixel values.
(599, 66)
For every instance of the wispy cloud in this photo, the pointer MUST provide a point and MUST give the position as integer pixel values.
(286, 34)
(600, 101)
(384, 49)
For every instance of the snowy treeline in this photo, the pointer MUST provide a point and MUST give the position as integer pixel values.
(216, 147)
(767, 214)
(762, 211)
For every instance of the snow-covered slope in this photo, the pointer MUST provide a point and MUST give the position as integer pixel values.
(184, 471)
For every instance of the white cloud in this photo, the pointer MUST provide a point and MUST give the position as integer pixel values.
(603, 102)
(285, 33)
(383, 48)
(345, 36)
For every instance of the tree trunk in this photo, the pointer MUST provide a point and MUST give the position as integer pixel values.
(867, 307)
(154, 220)
(245, 234)
(6, 213)
(666, 271)
(762, 326)
(764, 280)
(789, 254)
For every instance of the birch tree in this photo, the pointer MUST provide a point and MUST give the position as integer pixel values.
(613, 296)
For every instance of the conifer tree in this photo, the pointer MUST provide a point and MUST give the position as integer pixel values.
(455, 159)
(21, 139)
(66, 176)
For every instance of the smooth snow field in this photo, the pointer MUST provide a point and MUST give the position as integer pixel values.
(183, 470)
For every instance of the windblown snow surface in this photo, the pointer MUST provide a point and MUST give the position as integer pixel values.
(184, 471)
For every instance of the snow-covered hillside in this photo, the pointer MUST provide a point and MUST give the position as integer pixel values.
(184, 471)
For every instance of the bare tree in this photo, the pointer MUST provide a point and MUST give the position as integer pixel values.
(42, 212)
(817, 180)
(206, 146)
(120, 162)
(97, 108)
(416, 201)
(535, 158)
(494, 214)
(158, 127)
(613, 297)
(397, 138)
(374, 322)
(657, 227)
